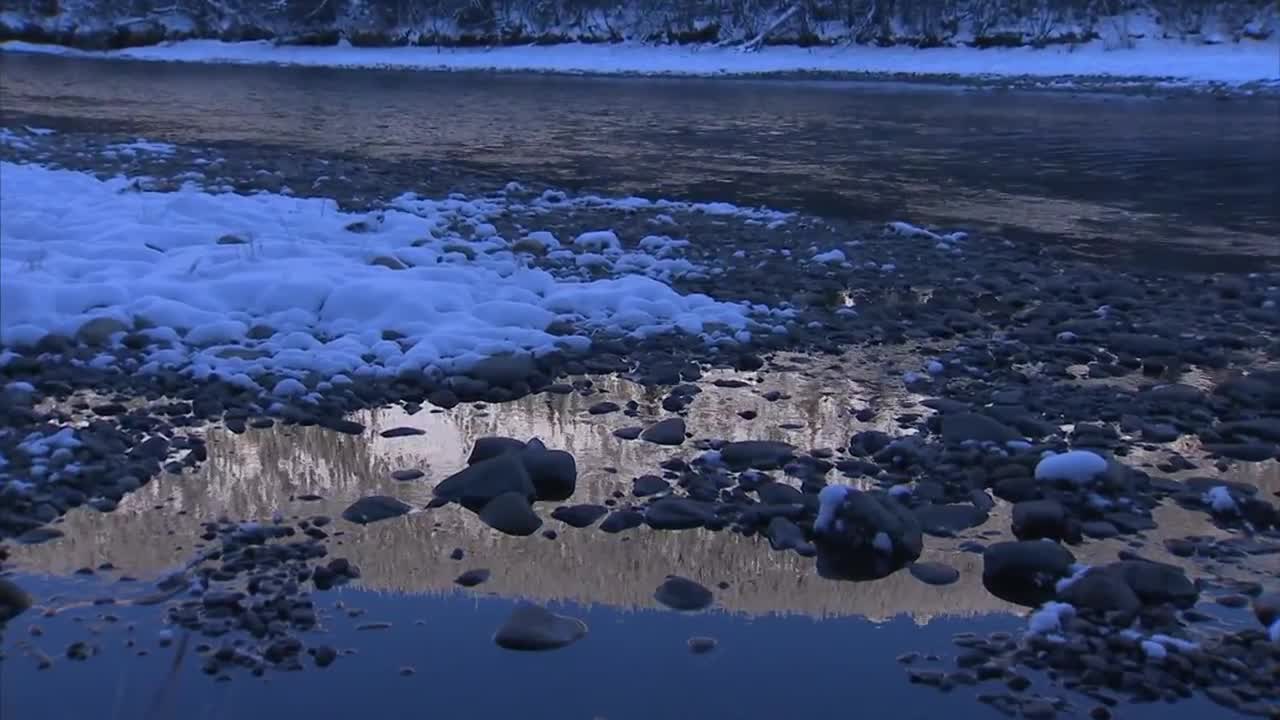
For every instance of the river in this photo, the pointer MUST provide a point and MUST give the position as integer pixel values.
(1172, 182)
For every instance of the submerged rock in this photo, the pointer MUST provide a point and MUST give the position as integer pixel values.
(680, 593)
(374, 508)
(532, 628)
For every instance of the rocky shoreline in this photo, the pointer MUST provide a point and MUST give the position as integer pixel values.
(1080, 398)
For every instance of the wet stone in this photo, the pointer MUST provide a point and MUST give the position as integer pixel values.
(679, 593)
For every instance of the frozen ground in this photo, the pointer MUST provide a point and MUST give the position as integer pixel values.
(241, 286)
(1150, 60)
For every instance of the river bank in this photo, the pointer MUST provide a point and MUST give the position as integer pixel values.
(1156, 66)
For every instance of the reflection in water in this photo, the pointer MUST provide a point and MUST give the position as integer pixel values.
(254, 475)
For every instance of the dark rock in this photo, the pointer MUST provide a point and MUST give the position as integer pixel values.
(604, 408)
(786, 535)
(1102, 591)
(38, 535)
(1099, 529)
(324, 656)
(1017, 489)
(933, 573)
(504, 370)
(1248, 452)
(1035, 519)
(476, 485)
(701, 645)
(757, 454)
(1157, 583)
(628, 433)
(620, 520)
(1024, 572)
(962, 427)
(532, 628)
(374, 508)
(510, 513)
(864, 535)
(947, 520)
(776, 493)
(399, 432)
(579, 516)
(471, 578)
(680, 593)
(13, 600)
(554, 473)
(674, 513)
(407, 475)
(491, 447)
(647, 485)
(666, 432)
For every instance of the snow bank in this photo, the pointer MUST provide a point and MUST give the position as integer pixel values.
(240, 285)
(1171, 60)
(1079, 467)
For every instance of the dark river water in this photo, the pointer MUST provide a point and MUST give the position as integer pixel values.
(1168, 181)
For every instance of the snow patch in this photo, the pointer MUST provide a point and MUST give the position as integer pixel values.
(1172, 61)
(76, 248)
(1079, 467)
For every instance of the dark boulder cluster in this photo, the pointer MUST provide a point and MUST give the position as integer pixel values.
(504, 477)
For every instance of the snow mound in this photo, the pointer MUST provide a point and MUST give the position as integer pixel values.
(1220, 501)
(239, 286)
(1050, 618)
(1079, 467)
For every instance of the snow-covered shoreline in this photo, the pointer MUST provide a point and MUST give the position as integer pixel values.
(1152, 61)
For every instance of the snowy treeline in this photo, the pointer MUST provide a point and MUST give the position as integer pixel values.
(982, 23)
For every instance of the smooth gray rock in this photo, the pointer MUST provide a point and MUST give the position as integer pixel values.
(534, 628)
(680, 593)
(374, 508)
